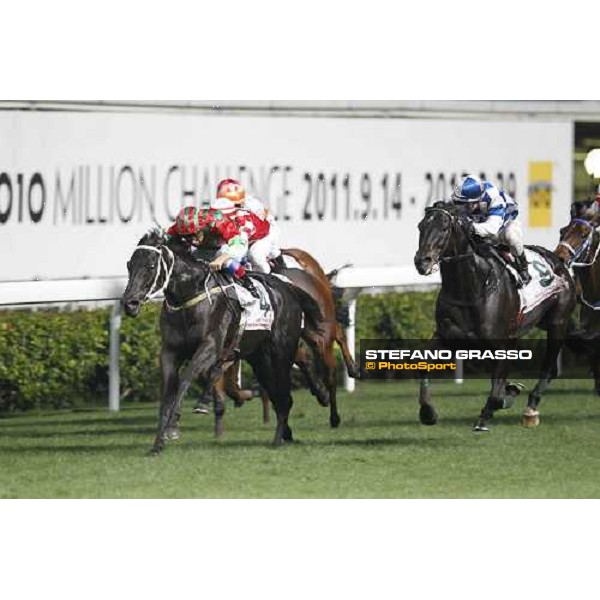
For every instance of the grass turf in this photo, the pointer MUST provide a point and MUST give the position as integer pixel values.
(379, 451)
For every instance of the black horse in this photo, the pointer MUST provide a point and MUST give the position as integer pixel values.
(479, 302)
(201, 323)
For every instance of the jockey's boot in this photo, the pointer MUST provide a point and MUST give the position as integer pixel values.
(521, 264)
(249, 285)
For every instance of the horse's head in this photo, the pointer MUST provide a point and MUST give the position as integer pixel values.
(577, 240)
(150, 268)
(437, 228)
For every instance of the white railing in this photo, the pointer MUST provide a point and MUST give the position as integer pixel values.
(357, 280)
(354, 280)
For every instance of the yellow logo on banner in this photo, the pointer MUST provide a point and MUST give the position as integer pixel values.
(540, 194)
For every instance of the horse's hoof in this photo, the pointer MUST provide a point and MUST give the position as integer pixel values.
(323, 397)
(334, 421)
(427, 415)
(479, 428)
(173, 435)
(530, 417)
(201, 409)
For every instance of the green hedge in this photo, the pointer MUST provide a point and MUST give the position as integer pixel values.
(52, 358)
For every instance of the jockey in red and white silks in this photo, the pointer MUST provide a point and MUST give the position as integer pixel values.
(261, 226)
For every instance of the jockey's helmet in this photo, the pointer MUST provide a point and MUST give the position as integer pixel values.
(469, 190)
(231, 189)
(190, 221)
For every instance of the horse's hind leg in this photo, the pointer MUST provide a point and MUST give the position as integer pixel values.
(219, 406)
(275, 377)
(330, 376)
(554, 344)
(427, 412)
(340, 338)
(232, 388)
(266, 405)
(306, 366)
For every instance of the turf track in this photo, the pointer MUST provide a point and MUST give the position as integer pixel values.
(380, 450)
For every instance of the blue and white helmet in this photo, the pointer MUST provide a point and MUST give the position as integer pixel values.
(470, 189)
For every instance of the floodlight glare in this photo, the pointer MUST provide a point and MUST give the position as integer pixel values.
(592, 162)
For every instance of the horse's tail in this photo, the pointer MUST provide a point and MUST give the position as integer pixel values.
(313, 316)
(342, 311)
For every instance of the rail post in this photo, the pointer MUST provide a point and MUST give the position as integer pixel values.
(114, 377)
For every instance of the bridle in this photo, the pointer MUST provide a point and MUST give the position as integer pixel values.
(585, 247)
(161, 268)
(454, 222)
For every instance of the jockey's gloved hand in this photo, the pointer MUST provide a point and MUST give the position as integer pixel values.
(218, 263)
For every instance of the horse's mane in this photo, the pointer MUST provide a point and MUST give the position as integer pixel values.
(153, 236)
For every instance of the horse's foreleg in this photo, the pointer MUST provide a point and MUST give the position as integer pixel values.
(495, 400)
(168, 406)
(427, 412)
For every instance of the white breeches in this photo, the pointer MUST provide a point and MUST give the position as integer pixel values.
(512, 236)
(262, 250)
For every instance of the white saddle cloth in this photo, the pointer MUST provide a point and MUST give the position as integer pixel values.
(544, 282)
(257, 314)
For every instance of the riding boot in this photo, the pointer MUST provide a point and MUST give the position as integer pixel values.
(247, 283)
(522, 268)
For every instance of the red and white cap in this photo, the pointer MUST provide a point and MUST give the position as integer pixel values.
(231, 189)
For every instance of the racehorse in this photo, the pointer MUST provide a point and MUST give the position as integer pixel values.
(315, 282)
(578, 248)
(200, 324)
(479, 301)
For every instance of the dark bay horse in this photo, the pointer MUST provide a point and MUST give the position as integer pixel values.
(579, 249)
(479, 301)
(200, 325)
(320, 366)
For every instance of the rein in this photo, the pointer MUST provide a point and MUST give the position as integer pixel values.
(161, 266)
(458, 257)
(206, 295)
(585, 247)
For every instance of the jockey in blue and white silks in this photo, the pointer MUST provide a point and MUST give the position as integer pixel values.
(499, 212)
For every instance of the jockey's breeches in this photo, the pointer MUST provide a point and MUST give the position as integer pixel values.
(264, 249)
(512, 235)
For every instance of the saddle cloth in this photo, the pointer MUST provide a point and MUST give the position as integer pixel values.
(257, 314)
(544, 282)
